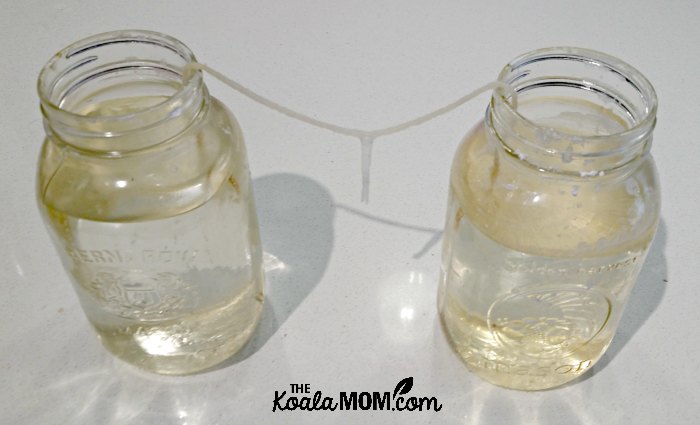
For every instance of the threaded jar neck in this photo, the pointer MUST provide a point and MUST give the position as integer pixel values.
(120, 91)
(578, 111)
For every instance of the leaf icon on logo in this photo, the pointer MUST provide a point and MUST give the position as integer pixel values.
(403, 386)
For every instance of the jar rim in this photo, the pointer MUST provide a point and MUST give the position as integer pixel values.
(642, 125)
(48, 76)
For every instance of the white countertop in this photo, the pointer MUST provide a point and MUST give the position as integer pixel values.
(354, 309)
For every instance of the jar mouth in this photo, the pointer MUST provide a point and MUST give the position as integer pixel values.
(621, 94)
(80, 72)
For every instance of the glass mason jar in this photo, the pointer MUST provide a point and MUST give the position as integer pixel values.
(144, 184)
(553, 204)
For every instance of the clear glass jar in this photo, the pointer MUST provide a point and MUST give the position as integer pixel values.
(144, 184)
(553, 205)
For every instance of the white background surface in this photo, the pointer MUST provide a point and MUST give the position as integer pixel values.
(334, 316)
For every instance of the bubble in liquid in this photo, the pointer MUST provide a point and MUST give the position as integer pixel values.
(588, 173)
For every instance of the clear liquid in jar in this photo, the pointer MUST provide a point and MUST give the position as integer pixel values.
(513, 322)
(533, 279)
(176, 288)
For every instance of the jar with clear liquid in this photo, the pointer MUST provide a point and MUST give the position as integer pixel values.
(144, 184)
(553, 204)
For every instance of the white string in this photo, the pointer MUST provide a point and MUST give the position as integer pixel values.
(366, 137)
(366, 144)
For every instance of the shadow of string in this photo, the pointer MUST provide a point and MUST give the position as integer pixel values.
(366, 137)
(435, 233)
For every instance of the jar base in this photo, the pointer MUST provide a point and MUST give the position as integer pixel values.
(484, 356)
(190, 345)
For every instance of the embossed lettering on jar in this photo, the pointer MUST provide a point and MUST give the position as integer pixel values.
(143, 181)
(553, 205)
